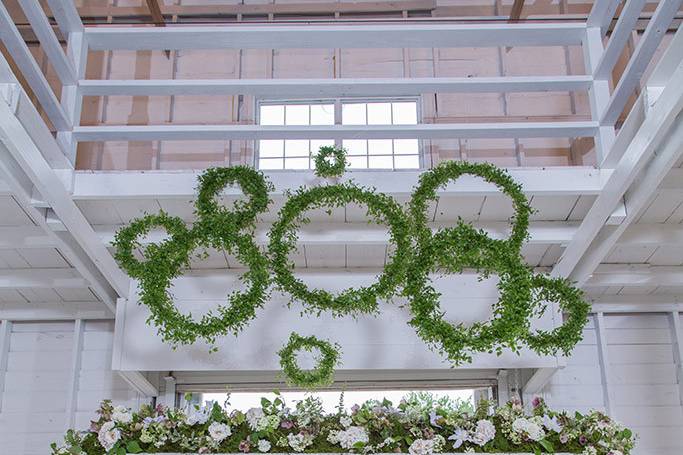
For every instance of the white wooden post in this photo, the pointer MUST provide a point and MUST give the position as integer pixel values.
(76, 357)
(5, 334)
(603, 356)
(677, 344)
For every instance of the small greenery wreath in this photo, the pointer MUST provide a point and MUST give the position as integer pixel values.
(330, 161)
(322, 374)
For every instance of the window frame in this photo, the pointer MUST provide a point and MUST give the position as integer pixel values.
(338, 103)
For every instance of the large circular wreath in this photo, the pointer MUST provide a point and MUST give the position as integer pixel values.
(283, 240)
(215, 227)
(330, 161)
(322, 374)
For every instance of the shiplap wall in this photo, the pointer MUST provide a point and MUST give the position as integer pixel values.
(35, 408)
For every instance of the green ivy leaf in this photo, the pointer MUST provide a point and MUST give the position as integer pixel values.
(133, 447)
(547, 445)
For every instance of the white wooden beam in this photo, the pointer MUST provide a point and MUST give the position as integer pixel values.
(5, 335)
(550, 181)
(55, 311)
(139, 382)
(537, 381)
(603, 357)
(635, 275)
(332, 87)
(169, 391)
(22, 237)
(66, 15)
(620, 35)
(335, 36)
(661, 131)
(647, 45)
(49, 42)
(41, 278)
(677, 345)
(602, 14)
(22, 56)
(72, 98)
(75, 373)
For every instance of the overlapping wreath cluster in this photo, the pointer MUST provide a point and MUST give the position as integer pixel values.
(418, 252)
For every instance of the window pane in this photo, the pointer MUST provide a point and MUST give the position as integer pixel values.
(380, 162)
(296, 147)
(297, 114)
(270, 163)
(272, 115)
(271, 148)
(322, 114)
(405, 113)
(353, 114)
(379, 147)
(355, 146)
(357, 162)
(296, 163)
(379, 113)
(406, 162)
(405, 146)
(315, 145)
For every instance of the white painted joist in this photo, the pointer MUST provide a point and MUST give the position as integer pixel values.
(550, 181)
(41, 278)
(626, 304)
(259, 132)
(602, 14)
(66, 15)
(332, 87)
(620, 35)
(24, 60)
(140, 383)
(412, 35)
(541, 233)
(636, 275)
(54, 311)
(647, 45)
(48, 41)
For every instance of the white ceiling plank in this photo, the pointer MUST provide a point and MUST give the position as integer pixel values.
(41, 279)
(261, 132)
(23, 237)
(333, 87)
(636, 275)
(12, 213)
(44, 258)
(549, 208)
(182, 185)
(335, 36)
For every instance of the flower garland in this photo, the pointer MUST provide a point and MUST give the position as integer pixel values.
(419, 425)
(322, 374)
(417, 253)
(330, 161)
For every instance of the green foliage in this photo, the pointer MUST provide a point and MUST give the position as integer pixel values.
(322, 374)
(330, 162)
(417, 253)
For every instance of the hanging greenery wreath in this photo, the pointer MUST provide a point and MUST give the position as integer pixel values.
(330, 161)
(322, 374)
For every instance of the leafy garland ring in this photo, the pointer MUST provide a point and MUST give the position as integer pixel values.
(322, 374)
(326, 168)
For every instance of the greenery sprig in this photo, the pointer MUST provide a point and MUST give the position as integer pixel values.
(322, 374)
(330, 161)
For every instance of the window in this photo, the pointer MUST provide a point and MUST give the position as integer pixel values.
(362, 153)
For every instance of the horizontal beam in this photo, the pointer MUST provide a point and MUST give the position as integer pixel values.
(550, 181)
(41, 278)
(332, 87)
(335, 36)
(25, 237)
(636, 304)
(54, 311)
(259, 132)
(636, 275)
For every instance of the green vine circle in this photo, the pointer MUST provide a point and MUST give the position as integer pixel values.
(572, 304)
(322, 374)
(325, 168)
(283, 240)
(215, 227)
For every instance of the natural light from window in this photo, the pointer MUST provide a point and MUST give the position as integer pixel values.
(362, 153)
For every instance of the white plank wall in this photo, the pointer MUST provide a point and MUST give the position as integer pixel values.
(34, 409)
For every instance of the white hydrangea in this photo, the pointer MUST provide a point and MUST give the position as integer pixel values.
(298, 442)
(263, 445)
(484, 432)
(528, 427)
(254, 416)
(219, 431)
(589, 450)
(421, 447)
(198, 416)
(121, 414)
(351, 436)
(108, 435)
(345, 421)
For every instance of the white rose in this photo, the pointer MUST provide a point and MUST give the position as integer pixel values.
(484, 432)
(263, 445)
(219, 431)
(254, 416)
(421, 447)
(108, 435)
(121, 414)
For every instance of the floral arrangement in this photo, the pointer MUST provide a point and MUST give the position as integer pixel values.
(418, 425)
(417, 252)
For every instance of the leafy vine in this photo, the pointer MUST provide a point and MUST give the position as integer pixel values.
(322, 374)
